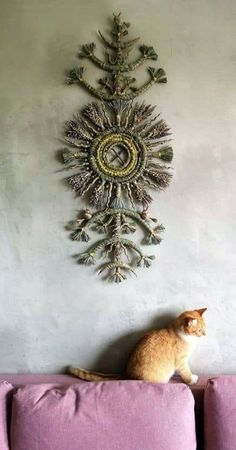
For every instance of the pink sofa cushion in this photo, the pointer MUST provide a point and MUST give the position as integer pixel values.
(220, 413)
(129, 415)
(5, 389)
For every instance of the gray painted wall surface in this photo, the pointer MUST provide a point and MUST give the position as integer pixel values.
(53, 312)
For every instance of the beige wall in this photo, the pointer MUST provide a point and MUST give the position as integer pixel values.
(52, 312)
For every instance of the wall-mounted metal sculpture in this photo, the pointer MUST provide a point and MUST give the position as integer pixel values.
(119, 150)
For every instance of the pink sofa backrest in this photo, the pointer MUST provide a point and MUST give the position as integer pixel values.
(130, 415)
(6, 391)
(65, 380)
(220, 413)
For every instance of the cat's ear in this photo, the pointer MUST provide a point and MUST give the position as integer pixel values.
(201, 311)
(190, 322)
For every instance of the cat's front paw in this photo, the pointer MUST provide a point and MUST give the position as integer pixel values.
(194, 379)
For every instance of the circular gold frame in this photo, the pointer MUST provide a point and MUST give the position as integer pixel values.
(134, 147)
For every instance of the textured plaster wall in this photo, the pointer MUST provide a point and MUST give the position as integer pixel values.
(53, 312)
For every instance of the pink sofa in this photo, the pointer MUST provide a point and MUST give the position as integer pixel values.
(60, 412)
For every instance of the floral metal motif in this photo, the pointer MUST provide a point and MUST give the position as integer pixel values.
(119, 149)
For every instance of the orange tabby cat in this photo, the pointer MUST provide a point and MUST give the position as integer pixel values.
(160, 353)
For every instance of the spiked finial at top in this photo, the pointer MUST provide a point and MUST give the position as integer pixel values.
(117, 84)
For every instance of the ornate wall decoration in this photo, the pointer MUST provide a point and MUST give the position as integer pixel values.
(119, 149)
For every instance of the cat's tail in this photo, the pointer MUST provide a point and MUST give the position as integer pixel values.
(89, 375)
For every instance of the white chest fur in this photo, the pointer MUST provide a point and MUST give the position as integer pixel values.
(190, 340)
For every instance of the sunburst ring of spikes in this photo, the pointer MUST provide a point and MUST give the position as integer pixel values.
(118, 150)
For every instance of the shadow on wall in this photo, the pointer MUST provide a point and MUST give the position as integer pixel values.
(115, 356)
